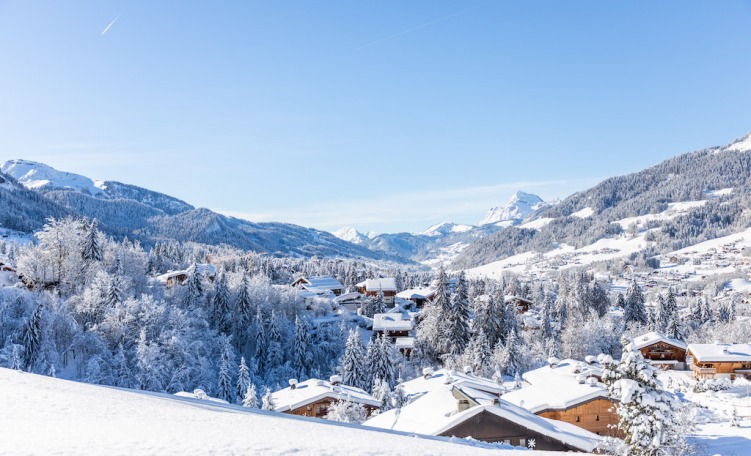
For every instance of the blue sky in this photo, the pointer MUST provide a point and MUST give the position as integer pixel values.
(386, 116)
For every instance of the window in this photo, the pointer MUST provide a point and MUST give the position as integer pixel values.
(597, 417)
(523, 442)
(577, 419)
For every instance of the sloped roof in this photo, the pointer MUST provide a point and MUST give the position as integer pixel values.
(313, 390)
(651, 338)
(383, 284)
(721, 352)
(436, 412)
(558, 388)
(416, 293)
(322, 282)
(437, 379)
(392, 322)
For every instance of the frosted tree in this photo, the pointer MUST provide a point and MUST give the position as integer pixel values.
(346, 411)
(261, 348)
(243, 379)
(635, 312)
(546, 329)
(268, 401)
(275, 354)
(32, 338)
(478, 353)
(302, 358)
(399, 396)
(457, 319)
(91, 250)
(243, 312)
(352, 362)
(706, 311)
(15, 358)
(511, 359)
(221, 318)
(224, 382)
(195, 287)
(250, 397)
(382, 393)
(646, 412)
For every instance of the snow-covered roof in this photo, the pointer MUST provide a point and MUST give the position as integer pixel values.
(416, 293)
(383, 284)
(200, 394)
(559, 387)
(392, 322)
(322, 282)
(203, 268)
(720, 352)
(404, 342)
(347, 297)
(653, 337)
(436, 413)
(313, 390)
(437, 379)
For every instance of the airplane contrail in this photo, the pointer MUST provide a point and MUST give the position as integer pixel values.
(422, 26)
(111, 24)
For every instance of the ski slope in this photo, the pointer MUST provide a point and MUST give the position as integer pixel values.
(44, 415)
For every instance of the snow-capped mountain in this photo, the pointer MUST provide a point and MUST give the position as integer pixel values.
(350, 234)
(520, 206)
(445, 228)
(30, 192)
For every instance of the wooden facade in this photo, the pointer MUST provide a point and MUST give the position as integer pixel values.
(663, 351)
(320, 408)
(596, 415)
(711, 369)
(488, 427)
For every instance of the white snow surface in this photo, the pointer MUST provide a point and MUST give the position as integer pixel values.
(350, 234)
(721, 352)
(43, 415)
(31, 174)
(741, 145)
(653, 337)
(584, 213)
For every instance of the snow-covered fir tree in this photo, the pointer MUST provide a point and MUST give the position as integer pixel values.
(302, 357)
(268, 401)
(250, 397)
(346, 411)
(352, 363)
(224, 384)
(635, 311)
(243, 379)
(646, 412)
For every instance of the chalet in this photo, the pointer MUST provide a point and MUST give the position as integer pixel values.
(372, 287)
(417, 295)
(350, 301)
(522, 304)
(319, 283)
(313, 397)
(397, 328)
(172, 278)
(569, 391)
(719, 360)
(450, 410)
(662, 351)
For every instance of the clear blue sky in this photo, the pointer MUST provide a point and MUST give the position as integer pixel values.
(383, 115)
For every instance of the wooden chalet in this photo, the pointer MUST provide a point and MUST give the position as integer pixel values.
(662, 351)
(313, 397)
(419, 296)
(386, 286)
(453, 410)
(569, 391)
(397, 328)
(522, 304)
(720, 360)
(172, 278)
(320, 283)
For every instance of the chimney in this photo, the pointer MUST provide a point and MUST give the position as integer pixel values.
(592, 381)
(335, 380)
(427, 373)
(462, 405)
(580, 379)
(497, 401)
(725, 350)
(292, 383)
(553, 362)
(468, 370)
(448, 380)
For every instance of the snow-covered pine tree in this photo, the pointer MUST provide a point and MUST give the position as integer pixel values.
(261, 349)
(302, 358)
(635, 312)
(224, 382)
(661, 316)
(457, 319)
(195, 287)
(91, 250)
(646, 412)
(382, 393)
(275, 353)
(352, 362)
(243, 312)
(512, 356)
(268, 401)
(32, 337)
(15, 358)
(250, 397)
(243, 379)
(220, 313)
(478, 354)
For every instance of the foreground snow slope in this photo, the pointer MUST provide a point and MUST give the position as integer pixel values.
(44, 415)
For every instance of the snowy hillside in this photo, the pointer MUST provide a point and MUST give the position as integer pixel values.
(445, 228)
(38, 175)
(350, 234)
(520, 206)
(44, 415)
